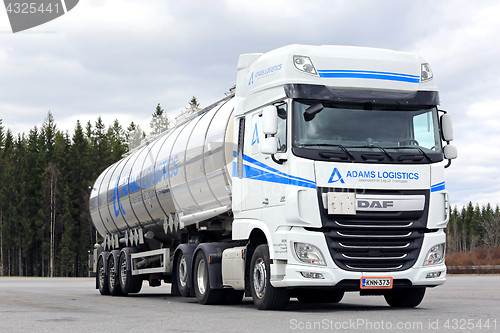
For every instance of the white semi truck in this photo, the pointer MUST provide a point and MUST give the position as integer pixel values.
(321, 172)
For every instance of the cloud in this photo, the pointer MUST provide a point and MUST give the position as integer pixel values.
(120, 58)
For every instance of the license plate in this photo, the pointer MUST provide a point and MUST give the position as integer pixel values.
(376, 283)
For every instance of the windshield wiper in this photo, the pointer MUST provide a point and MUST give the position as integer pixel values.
(329, 145)
(382, 149)
(414, 147)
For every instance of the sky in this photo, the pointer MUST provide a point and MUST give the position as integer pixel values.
(119, 58)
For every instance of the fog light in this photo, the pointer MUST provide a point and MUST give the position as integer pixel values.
(435, 255)
(433, 275)
(311, 275)
(308, 254)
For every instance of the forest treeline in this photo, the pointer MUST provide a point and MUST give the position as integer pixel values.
(46, 177)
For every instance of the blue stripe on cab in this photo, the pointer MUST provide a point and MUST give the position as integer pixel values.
(369, 75)
(438, 187)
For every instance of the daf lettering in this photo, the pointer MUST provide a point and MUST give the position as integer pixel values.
(375, 204)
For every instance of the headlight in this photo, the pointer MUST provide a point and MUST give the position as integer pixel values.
(435, 255)
(304, 64)
(425, 72)
(308, 254)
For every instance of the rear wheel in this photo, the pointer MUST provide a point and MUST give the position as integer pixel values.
(102, 277)
(182, 274)
(113, 283)
(128, 283)
(204, 293)
(405, 298)
(319, 296)
(265, 296)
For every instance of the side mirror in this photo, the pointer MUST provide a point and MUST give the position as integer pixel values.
(270, 120)
(269, 145)
(447, 127)
(450, 152)
(311, 111)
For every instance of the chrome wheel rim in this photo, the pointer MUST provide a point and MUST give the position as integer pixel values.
(123, 272)
(112, 273)
(183, 271)
(201, 276)
(102, 274)
(259, 278)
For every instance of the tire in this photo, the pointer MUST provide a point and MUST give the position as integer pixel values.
(182, 275)
(319, 296)
(233, 296)
(128, 283)
(201, 278)
(405, 298)
(113, 282)
(265, 296)
(102, 277)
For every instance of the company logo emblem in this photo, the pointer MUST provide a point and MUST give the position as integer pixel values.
(251, 79)
(29, 14)
(255, 135)
(116, 200)
(335, 177)
(375, 204)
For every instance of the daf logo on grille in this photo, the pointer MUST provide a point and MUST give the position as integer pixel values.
(375, 204)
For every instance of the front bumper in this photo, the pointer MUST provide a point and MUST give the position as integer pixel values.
(289, 273)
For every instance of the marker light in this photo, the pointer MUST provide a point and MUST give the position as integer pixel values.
(304, 64)
(435, 255)
(425, 72)
(308, 254)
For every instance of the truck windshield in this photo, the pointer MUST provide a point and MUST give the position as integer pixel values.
(366, 127)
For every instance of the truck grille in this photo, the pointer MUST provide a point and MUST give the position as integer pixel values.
(375, 241)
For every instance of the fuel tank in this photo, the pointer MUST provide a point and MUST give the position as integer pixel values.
(181, 177)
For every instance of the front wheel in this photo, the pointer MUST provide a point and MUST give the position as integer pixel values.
(265, 296)
(405, 298)
(204, 293)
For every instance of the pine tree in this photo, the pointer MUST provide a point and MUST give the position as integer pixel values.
(134, 136)
(160, 121)
(117, 140)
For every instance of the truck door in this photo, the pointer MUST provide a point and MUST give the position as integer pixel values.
(266, 176)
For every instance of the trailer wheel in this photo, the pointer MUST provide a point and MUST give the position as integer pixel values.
(128, 283)
(265, 296)
(182, 274)
(113, 283)
(405, 298)
(102, 277)
(204, 293)
(319, 296)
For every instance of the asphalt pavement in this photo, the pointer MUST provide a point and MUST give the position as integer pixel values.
(465, 303)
